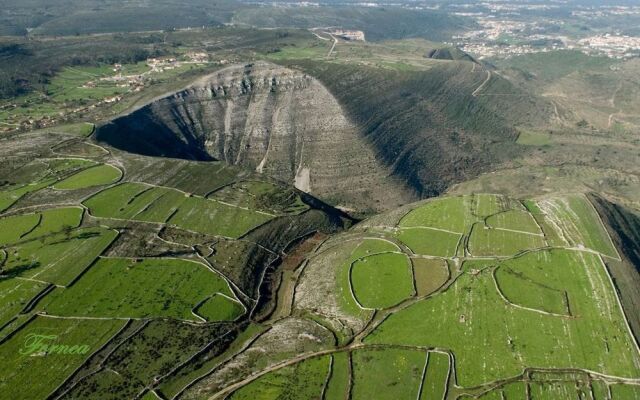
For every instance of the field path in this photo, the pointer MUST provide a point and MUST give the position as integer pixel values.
(482, 85)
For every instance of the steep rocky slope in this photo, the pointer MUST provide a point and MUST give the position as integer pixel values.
(357, 136)
(278, 121)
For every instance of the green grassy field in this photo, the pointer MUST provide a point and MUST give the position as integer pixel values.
(496, 242)
(429, 274)
(429, 242)
(339, 382)
(453, 214)
(173, 287)
(220, 308)
(99, 175)
(25, 227)
(516, 220)
(436, 378)
(471, 315)
(303, 380)
(579, 223)
(382, 280)
(387, 373)
(165, 205)
(14, 295)
(58, 258)
(29, 374)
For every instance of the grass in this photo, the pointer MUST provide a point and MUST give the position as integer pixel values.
(99, 175)
(387, 373)
(9, 197)
(172, 385)
(165, 205)
(430, 241)
(212, 217)
(523, 290)
(436, 378)
(14, 227)
(18, 371)
(172, 287)
(29, 226)
(452, 213)
(14, 295)
(58, 258)
(429, 274)
(552, 390)
(624, 392)
(487, 204)
(495, 242)
(471, 316)
(303, 380)
(339, 382)
(514, 220)
(382, 280)
(530, 138)
(159, 347)
(220, 308)
(579, 223)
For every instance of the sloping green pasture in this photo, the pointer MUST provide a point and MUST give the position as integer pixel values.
(171, 288)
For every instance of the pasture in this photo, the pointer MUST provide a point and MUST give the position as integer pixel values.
(103, 174)
(29, 373)
(173, 287)
(58, 258)
(429, 242)
(382, 280)
(472, 315)
(389, 373)
(162, 205)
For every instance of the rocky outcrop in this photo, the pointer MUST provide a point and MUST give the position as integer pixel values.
(278, 121)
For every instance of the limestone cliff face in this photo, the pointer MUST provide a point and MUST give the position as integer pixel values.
(275, 120)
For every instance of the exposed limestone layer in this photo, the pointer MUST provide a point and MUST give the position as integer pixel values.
(278, 121)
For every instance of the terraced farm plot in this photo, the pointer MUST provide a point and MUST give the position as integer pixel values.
(159, 346)
(28, 226)
(430, 242)
(219, 308)
(382, 280)
(515, 220)
(79, 148)
(485, 241)
(522, 290)
(579, 223)
(429, 274)
(553, 391)
(58, 258)
(488, 204)
(10, 196)
(389, 373)
(103, 174)
(471, 316)
(165, 205)
(215, 218)
(303, 380)
(450, 213)
(339, 382)
(28, 373)
(624, 392)
(260, 195)
(434, 385)
(172, 288)
(14, 296)
(15, 227)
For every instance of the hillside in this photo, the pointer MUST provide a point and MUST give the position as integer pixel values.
(274, 120)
